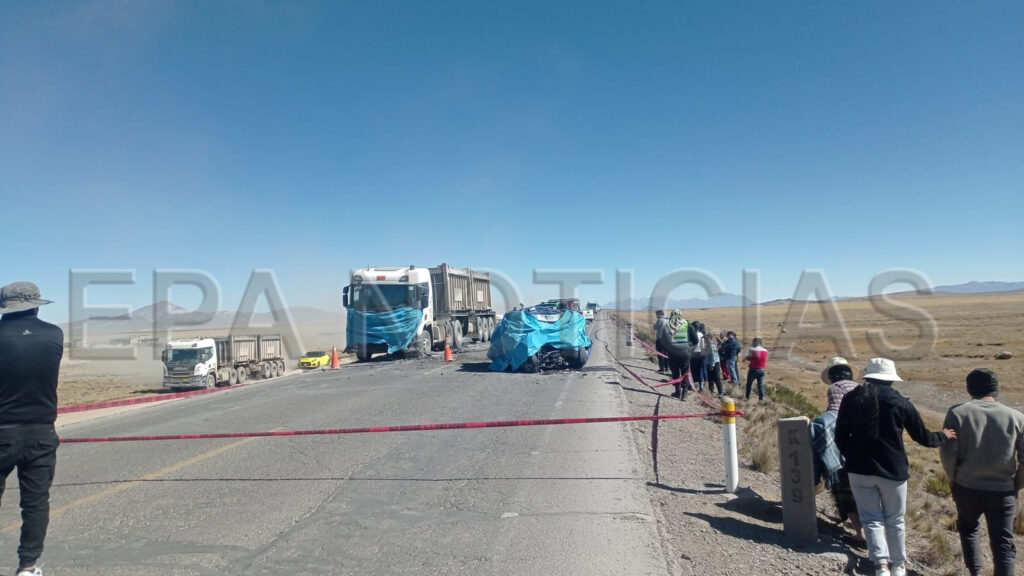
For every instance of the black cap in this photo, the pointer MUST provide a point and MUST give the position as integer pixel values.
(982, 382)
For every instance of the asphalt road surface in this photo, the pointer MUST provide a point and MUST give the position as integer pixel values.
(525, 501)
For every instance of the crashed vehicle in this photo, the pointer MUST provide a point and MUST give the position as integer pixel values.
(540, 337)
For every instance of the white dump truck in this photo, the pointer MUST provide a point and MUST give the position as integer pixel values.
(224, 361)
(416, 309)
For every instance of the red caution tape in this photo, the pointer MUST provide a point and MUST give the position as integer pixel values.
(649, 347)
(143, 399)
(403, 428)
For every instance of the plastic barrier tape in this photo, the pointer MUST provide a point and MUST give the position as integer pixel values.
(402, 428)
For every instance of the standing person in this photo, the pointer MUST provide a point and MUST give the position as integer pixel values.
(828, 462)
(756, 359)
(30, 353)
(985, 466)
(697, 370)
(659, 327)
(730, 354)
(711, 364)
(869, 433)
(721, 362)
(675, 341)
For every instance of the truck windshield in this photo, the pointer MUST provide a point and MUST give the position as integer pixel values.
(183, 355)
(384, 297)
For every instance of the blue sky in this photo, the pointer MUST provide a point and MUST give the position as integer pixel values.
(310, 138)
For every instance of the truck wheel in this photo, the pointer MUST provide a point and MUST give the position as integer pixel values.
(232, 377)
(490, 328)
(481, 329)
(457, 334)
(425, 344)
(265, 370)
(273, 369)
(243, 375)
(211, 380)
(280, 367)
(450, 337)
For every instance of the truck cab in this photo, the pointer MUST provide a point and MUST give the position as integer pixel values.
(190, 363)
(390, 308)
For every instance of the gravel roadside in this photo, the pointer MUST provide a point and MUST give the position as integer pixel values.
(706, 530)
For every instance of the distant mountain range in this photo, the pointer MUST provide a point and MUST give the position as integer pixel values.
(727, 300)
(143, 319)
(720, 301)
(976, 287)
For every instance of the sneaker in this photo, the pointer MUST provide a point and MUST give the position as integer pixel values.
(33, 572)
(882, 571)
(900, 570)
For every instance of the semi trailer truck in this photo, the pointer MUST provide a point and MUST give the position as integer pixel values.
(224, 361)
(416, 309)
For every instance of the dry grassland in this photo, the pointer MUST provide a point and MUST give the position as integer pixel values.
(969, 332)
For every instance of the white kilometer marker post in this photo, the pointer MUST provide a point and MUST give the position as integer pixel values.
(732, 466)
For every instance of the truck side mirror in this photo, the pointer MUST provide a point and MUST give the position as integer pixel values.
(344, 296)
(424, 300)
(163, 356)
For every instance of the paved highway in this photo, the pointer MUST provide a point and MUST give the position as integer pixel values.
(525, 501)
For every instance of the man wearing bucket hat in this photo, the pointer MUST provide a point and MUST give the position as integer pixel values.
(869, 433)
(828, 462)
(30, 353)
(985, 466)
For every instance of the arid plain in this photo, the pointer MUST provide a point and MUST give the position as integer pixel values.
(935, 346)
(935, 340)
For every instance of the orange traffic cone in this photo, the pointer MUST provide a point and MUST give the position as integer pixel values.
(448, 353)
(334, 358)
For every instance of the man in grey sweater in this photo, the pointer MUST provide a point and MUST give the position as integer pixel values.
(985, 465)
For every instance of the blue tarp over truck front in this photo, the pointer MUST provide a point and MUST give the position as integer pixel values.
(396, 328)
(521, 335)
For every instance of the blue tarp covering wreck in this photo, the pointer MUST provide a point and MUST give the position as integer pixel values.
(521, 335)
(396, 328)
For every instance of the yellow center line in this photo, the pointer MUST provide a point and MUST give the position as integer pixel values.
(132, 483)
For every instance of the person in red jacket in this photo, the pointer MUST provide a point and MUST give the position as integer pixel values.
(756, 359)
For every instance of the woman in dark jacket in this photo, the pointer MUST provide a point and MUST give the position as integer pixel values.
(869, 434)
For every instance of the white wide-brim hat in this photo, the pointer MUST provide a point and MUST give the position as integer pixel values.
(882, 369)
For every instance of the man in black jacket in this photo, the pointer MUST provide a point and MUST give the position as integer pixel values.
(30, 353)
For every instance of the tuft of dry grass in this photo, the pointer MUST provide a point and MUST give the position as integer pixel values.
(760, 437)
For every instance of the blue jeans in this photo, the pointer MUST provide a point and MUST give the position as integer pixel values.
(734, 372)
(756, 374)
(32, 449)
(999, 509)
(882, 504)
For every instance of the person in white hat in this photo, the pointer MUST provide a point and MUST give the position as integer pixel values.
(828, 462)
(869, 434)
(30, 353)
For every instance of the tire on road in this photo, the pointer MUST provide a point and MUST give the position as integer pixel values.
(456, 334)
(531, 365)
